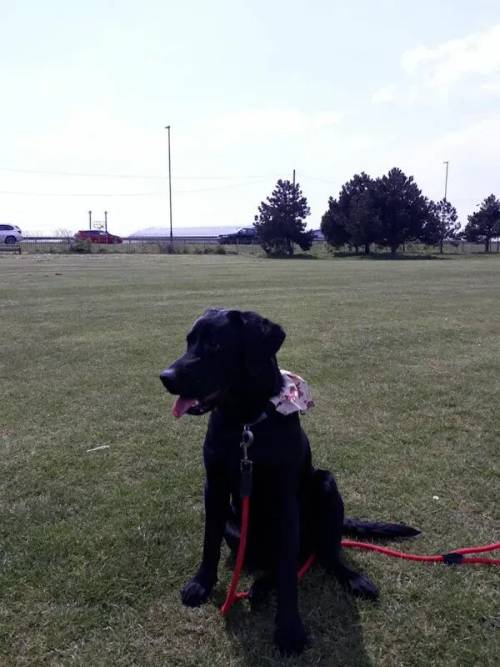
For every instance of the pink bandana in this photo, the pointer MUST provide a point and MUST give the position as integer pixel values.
(295, 395)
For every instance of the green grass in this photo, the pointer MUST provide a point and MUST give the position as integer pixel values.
(404, 362)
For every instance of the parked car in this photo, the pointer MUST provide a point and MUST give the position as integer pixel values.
(10, 234)
(97, 236)
(245, 235)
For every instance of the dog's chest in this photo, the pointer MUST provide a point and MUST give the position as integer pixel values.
(225, 449)
(277, 441)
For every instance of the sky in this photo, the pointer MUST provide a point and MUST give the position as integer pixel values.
(252, 90)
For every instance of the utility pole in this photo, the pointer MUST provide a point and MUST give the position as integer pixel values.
(170, 187)
(105, 221)
(294, 178)
(90, 219)
(446, 162)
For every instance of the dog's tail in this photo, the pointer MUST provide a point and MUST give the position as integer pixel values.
(378, 529)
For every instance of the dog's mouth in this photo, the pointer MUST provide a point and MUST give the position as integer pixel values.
(195, 406)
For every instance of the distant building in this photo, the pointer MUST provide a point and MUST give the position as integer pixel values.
(184, 231)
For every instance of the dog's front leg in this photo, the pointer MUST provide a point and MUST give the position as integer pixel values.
(290, 635)
(197, 590)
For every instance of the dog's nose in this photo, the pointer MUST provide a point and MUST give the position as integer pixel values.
(168, 378)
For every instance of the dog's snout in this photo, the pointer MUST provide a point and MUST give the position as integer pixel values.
(168, 377)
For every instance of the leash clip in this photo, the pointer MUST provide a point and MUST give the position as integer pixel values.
(246, 465)
(246, 441)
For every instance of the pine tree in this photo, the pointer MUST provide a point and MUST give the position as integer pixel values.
(484, 224)
(443, 224)
(334, 224)
(403, 211)
(357, 201)
(281, 220)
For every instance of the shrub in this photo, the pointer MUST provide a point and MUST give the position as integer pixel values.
(81, 246)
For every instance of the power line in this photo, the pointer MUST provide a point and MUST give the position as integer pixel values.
(78, 173)
(112, 175)
(153, 194)
(83, 194)
(250, 180)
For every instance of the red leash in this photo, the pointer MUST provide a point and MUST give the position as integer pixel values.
(456, 557)
(232, 595)
(246, 467)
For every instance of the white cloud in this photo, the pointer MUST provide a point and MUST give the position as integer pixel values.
(239, 126)
(478, 142)
(209, 184)
(472, 152)
(90, 136)
(492, 87)
(384, 95)
(447, 64)
(473, 60)
(322, 119)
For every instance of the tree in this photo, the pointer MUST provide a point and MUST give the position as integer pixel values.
(62, 233)
(334, 224)
(352, 218)
(281, 220)
(442, 223)
(403, 211)
(484, 224)
(356, 199)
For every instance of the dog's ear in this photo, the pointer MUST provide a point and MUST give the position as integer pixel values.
(262, 338)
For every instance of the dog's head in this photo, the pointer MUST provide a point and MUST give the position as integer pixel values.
(228, 352)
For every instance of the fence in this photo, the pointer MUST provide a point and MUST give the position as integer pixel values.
(415, 248)
(160, 244)
(130, 244)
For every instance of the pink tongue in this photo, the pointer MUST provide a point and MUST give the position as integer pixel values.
(182, 405)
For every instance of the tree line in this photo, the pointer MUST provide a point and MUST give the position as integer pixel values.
(388, 212)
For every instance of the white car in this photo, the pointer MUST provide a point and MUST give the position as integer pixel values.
(10, 234)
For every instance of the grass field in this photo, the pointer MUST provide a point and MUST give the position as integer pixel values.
(404, 361)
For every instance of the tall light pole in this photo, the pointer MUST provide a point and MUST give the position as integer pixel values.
(170, 186)
(446, 162)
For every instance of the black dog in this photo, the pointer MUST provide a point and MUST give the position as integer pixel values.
(230, 369)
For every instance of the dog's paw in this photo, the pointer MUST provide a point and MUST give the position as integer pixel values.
(362, 587)
(195, 592)
(291, 637)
